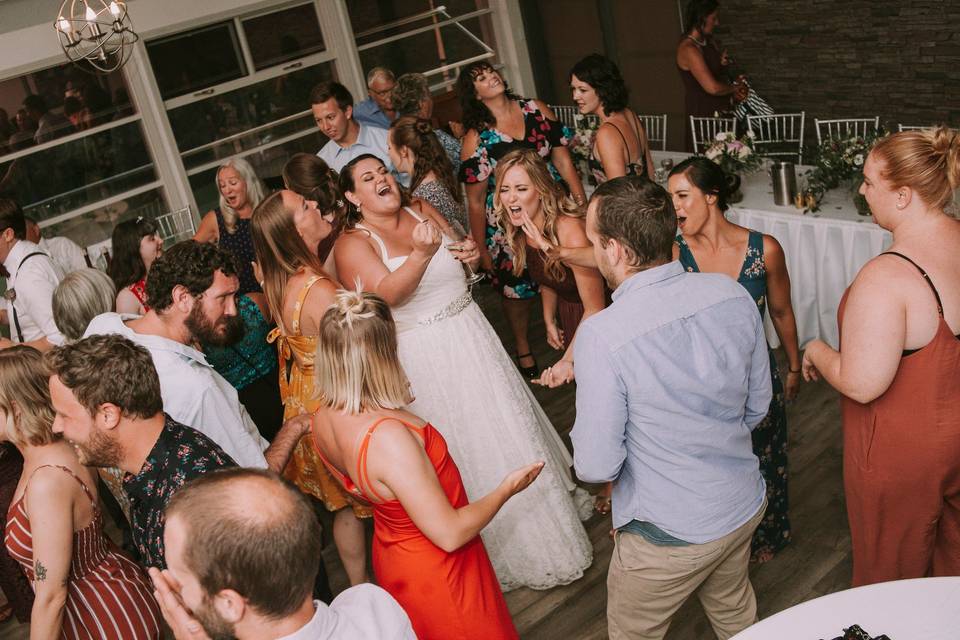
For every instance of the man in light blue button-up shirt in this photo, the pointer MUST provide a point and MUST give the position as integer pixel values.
(332, 106)
(671, 379)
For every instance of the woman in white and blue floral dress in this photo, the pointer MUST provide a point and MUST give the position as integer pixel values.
(497, 122)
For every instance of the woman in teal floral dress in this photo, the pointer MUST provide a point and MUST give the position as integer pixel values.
(497, 121)
(708, 242)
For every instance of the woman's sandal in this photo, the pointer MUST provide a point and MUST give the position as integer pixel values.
(531, 372)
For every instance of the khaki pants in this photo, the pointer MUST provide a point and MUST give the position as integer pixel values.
(647, 583)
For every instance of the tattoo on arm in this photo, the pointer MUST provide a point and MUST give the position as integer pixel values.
(40, 571)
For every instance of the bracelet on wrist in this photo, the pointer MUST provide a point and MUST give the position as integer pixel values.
(793, 370)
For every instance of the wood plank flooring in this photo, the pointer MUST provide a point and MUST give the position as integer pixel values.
(817, 562)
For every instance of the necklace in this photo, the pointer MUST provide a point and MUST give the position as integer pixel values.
(700, 43)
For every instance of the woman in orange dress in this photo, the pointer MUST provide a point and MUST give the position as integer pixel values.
(286, 230)
(427, 552)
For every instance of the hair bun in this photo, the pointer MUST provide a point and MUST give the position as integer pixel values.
(945, 142)
(352, 305)
(423, 127)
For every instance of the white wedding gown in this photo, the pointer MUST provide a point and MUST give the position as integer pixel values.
(467, 387)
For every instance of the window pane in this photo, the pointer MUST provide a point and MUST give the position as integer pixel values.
(69, 101)
(426, 51)
(267, 164)
(218, 117)
(197, 59)
(96, 226)
(368, 14)
(68, 176)
(284, 35)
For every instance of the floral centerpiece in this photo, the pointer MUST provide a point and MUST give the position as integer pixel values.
(734, 155)
(838, 161)
(581, 144)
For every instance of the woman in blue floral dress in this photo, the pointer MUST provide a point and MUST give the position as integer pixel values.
(497, 121)
(708, 242)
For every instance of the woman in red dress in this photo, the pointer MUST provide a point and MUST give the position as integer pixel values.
(85, 587)
(426, 549)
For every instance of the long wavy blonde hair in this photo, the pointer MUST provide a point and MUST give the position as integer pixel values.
(553, 203)
(255, 191)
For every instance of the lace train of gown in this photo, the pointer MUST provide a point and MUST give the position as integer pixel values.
(466, 385)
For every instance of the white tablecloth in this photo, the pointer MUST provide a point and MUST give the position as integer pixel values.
(921, 609)
(824, 250)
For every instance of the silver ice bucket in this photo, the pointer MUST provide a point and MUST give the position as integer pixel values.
(784, 177)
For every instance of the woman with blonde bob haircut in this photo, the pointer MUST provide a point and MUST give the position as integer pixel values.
(537, 217)
(287, 229)
(897, 366)
(229, 224)
(80, 297)
(426, 549)
(54, 527)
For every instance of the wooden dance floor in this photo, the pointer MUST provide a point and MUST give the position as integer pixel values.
(816, 563)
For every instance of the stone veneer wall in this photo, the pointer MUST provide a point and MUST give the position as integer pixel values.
(848, 58)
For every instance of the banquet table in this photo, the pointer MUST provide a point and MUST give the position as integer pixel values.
(823, 250)
(919, 609)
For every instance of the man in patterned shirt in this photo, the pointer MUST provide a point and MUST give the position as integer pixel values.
(106, 395)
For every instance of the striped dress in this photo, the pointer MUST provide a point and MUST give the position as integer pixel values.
(108, 596)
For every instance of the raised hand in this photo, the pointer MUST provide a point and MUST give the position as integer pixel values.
(426, 238)
(534, 233)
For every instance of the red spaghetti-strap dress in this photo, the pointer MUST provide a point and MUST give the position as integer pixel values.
(109, 597)
(453, 596)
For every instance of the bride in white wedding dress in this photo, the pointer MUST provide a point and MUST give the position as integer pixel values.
(463, 380)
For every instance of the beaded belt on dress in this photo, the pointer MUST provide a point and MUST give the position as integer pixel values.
(452, 309)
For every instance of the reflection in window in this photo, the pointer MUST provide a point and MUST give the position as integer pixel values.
(52, 181)
(221, 116)
(282, 36)
(55, 102)
(199, 58)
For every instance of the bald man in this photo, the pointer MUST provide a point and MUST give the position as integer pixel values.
(243, 550)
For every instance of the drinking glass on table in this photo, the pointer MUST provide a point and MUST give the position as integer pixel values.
(667, 164)
(459, 234)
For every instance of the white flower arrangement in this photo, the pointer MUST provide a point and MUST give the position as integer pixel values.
(735, 155)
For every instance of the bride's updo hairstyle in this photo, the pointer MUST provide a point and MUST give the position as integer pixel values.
(926, 160)
(357, 365)
(707, 176)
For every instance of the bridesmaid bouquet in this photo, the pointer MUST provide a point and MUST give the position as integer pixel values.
(734, 155)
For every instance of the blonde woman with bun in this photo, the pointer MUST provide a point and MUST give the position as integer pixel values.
(427, 552)
(898, 366)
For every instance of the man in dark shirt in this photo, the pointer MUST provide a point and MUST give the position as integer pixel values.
(106, 395)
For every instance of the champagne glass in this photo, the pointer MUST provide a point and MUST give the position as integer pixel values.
(667, 164)
(458, 234)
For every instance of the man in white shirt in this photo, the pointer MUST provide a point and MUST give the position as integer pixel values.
(222, 541)
(191, 291)
(32, 278)
(332, 107)
(64, 252)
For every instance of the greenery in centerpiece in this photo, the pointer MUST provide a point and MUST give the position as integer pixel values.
(581, 144)
(838, 161)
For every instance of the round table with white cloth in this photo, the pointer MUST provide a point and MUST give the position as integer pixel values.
(919, 609)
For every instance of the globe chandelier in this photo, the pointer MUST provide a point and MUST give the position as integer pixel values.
(96, 32)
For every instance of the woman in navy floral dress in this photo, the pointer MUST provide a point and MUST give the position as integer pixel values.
(710, 243)
(497, 121)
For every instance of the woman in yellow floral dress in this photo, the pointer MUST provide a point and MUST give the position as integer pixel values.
(287, 230)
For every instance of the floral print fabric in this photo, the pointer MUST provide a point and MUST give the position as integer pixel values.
(541, 135)
(180, 455)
